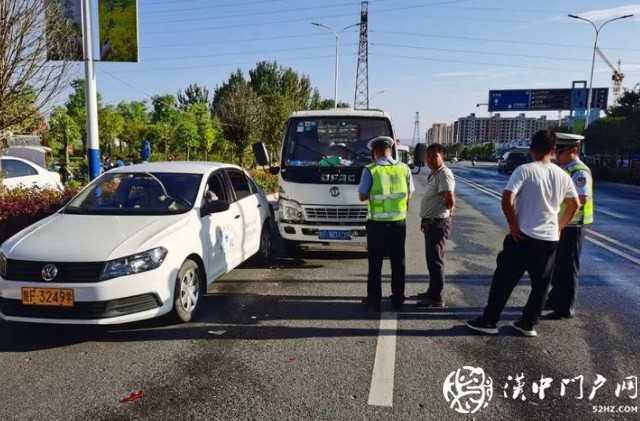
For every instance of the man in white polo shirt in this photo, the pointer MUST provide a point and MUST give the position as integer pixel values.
(531, 203)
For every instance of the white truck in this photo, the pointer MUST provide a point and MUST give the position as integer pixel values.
(322, 158)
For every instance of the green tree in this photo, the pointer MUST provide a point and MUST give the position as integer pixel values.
(193, 94)
(64, 132)
(207, 132)
(136, 127)
(77, 106)
(111, 125)
(239, 109)
(186, 133)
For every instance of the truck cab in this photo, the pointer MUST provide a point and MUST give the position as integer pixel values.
(322, 158)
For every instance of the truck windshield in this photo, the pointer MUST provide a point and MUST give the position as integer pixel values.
(332, 141)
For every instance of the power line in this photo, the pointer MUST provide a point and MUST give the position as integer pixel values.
(232, 41)
(282, 50)
(496, 40)
(449, 50)
(124, 82)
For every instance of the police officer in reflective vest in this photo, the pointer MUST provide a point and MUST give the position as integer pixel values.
(564, 283)
(387, 185)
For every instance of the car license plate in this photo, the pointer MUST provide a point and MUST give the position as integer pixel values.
(53, 297)
(335, 235)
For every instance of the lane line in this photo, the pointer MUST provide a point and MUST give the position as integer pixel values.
(612, 214)
(381, 390)
(613, 250)
(612, 241)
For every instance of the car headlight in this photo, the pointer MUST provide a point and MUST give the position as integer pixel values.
(290, 211)
(136, 263)
(3, 265)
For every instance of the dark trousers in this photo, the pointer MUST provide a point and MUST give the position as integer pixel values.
(564, 283)
(436, 232)
(386, 239)
(537, 257)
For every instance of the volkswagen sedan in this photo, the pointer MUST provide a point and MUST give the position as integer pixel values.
(137, 243)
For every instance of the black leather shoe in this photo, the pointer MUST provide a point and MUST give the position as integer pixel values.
(430, 303)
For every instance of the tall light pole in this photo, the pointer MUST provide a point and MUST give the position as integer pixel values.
(593, 59)
(337, 35)
(93, 143)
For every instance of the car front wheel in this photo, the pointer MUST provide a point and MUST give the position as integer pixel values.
(187, 292)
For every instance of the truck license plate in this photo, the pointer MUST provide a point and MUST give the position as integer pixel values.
(335, 235)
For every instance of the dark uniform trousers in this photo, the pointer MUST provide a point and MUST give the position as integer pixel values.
(537, 257)
(386, 239)
(564, 283)
(436, 232)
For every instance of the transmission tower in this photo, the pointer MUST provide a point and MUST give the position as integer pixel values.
(416, 130)
(361, 100)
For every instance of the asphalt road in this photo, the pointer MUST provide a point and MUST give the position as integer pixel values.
(292, 341)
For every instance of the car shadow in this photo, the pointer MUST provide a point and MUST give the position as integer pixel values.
(250, 317)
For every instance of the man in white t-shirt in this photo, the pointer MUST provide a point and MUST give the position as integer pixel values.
(531, 203)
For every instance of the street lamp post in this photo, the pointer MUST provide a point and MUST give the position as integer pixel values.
(593, 59)
(336, 75)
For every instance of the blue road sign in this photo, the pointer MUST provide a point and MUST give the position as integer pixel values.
(544, 99)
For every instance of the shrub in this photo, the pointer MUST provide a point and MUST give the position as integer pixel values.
(22, 207)
(267, 181)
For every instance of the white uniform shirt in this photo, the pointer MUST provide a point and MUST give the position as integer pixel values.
(539, 191)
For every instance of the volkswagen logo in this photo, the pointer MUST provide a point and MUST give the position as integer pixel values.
(49, 272)
(334, 191)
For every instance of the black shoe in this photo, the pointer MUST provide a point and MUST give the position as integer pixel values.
(481, 325)
(430, 303)
(548, 306)
(556, 315)
(421, 296)
(373, 308)
(525, 328)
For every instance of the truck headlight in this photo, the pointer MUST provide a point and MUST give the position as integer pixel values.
(136, 263)
(3, 265)
(290, 211)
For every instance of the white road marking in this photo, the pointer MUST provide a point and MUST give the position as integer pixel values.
(381, 391)
(613, 250)
(613, 214)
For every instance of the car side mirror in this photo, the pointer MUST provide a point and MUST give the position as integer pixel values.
(418, 154)
(261, 154)
(214, 206)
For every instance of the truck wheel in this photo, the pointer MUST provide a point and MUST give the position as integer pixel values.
(187, 293)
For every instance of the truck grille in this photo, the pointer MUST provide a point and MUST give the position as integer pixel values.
(353, 213)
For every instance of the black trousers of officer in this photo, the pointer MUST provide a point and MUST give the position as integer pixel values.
(386, 239)
(534, 256)
(564, 283)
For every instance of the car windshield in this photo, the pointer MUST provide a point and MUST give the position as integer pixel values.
(138, 193)
(332, 141)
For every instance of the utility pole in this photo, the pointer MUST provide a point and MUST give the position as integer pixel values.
(91, 95)
(361, 98)
(416, 130)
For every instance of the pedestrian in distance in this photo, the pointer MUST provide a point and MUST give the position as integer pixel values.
(564, 282)
(436, 209)
(538, 202)
(387, 185)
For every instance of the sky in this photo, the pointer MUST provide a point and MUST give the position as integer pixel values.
(436, 57)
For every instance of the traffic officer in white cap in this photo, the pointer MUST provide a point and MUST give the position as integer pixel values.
(564, 282)
(387, 185)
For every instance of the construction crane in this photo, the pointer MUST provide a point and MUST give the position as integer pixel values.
(617, 76)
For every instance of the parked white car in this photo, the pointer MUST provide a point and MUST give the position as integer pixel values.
(18, 172)
(137, 243)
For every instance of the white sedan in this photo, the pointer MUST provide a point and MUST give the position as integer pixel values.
(138, 242)
(18, 172)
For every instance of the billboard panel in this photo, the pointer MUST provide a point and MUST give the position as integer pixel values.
(64, 30)
(544, 99)
(118, 30)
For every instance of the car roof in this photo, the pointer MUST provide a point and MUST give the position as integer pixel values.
(17, 158)
(186, 167)
(340, 112)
